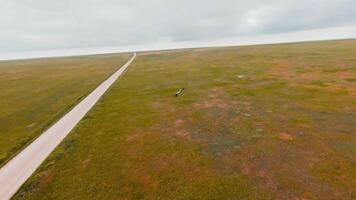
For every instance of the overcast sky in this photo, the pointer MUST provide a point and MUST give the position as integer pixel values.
(30, 28)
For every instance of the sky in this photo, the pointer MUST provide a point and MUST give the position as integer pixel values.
(40, 28)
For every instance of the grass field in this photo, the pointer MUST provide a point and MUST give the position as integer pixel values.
(34, 93)
(254, 122)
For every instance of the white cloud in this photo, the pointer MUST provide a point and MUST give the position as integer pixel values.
(51, 25)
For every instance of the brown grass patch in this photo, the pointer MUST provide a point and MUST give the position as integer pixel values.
(182, 133)
(132, 137)
(215, 98)
(179, 122)
(46, 177)
(86, 162)
(176, 127)
(286, 136)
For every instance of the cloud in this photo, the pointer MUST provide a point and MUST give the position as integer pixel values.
(40, 25)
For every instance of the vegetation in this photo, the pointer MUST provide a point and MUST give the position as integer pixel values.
(34, 93)
(254, 122)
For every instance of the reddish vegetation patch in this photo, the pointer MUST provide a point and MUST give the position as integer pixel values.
(146, 180)
(334, 81)
(215, 98)
(282, 169)
(344, 74)
(46, 177)
(132, 137)
(260, 169)
(286, 73)
(286, 136)
(352, 91)
(154, 168)
(340, 87)
(178, 122)
(216, 102)
(87, 161)
(135, 135)
(178, 127)
(236, 119)
(157, 105)
(182, 133)
(281, 69)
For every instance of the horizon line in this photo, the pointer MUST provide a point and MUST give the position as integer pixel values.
(164, 49)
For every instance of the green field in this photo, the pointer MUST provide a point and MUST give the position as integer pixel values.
(254, 122)
(36, 92)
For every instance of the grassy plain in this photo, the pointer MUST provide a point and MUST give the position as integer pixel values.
(36, 92)
(254, 122)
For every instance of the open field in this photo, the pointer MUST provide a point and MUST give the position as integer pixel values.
(254, 122)
(36, 92)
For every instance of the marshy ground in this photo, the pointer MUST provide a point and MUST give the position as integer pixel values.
(254, 122)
